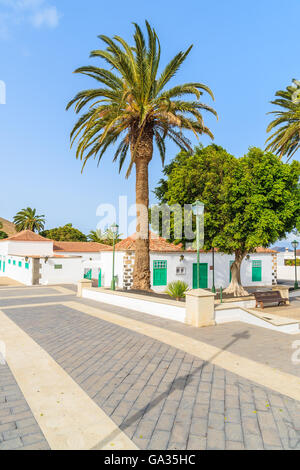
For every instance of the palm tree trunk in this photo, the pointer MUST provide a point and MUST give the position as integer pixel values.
(235, 287)
(141, 272)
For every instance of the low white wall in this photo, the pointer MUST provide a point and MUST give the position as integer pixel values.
(160, 309)
(30, 248)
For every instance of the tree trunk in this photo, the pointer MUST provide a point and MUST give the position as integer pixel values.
(143, 156)
(235, 287)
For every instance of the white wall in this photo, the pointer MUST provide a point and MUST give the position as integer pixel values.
(30, 248)
(222, 271)
(71, 272)
(287, 273)
(14, 271)
(106, 267)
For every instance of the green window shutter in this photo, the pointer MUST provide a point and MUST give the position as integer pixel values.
(160, 273)
(256, 271)
(58, 266)
(26, 265)
(20, 264)
(9, 261)
(88, 274)
(14, 262)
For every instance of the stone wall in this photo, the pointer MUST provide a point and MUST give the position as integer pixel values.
(128, 263)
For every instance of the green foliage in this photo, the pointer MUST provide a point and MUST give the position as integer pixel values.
(177, 289)
(3, 235)
(249, 202)
(132, 101)
(66, 233)
(106, 237)
(286, 138)
(27, 219)
(291, 262)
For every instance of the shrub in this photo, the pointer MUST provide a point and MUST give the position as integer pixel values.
(177, 289)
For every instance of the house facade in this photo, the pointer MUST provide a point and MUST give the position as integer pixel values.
(34, 260)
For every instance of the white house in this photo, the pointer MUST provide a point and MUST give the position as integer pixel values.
(286, 271)
(169, 263)
(32, 259)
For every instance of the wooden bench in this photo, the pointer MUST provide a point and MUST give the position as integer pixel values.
(269, 297)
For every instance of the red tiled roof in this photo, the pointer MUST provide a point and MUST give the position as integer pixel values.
(156, 244)
(79, 247)
(26, 236)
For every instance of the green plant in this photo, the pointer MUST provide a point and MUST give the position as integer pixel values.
(28, 219)
(177, 289)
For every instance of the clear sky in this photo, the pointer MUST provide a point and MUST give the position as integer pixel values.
(244, 51)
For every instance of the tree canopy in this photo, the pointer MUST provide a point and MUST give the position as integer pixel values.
(250, 201)
(66, 233)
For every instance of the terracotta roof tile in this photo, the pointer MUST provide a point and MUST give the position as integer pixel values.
(26, 236)
(157, 244)
(79, 247)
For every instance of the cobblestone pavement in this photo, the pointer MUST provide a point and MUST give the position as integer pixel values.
(18, 427)
(264, 346)
(161, 397)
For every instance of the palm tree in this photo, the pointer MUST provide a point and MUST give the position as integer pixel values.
(27, 219)
(105, 237)
(96, 236)
(133, 107)
(286, 139)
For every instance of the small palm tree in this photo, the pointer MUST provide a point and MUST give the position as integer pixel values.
(286, 139)
(27, 219)
(96, 236)
(133, 107)
(177, 289)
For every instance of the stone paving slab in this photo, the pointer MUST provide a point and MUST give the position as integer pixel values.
(18, 427)
(264, 346)
(26, 291)
(33, 300)
(158, 395)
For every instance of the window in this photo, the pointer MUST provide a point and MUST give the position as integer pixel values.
(20, 264)
(58, 266)
(26, 265)
(9, 261)
(14, 262)
(180, 270)
(256, 271)
(160, 273)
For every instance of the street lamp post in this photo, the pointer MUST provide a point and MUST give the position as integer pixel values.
(198, 211)
(295, 245)
(213, 289)
(114, 229)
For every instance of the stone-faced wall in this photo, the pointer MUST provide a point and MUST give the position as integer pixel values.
(128, 263)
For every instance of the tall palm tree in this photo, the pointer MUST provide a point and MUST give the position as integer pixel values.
(133, 106)
(286, 139)
(27, 219)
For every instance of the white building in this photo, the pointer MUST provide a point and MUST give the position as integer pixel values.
(168, 262)
(32, 259)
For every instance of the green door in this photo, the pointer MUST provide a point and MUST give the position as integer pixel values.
(203, 269)
(159, 273)
(4, 266)
(88, 274)
(256, 271)
(99, 278)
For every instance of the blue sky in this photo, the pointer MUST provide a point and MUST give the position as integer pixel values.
(244, 51)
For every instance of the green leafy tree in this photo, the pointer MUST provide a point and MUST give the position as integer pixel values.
(286, 138)
(2, 234)
(133, 108)
(27, 219)
(67, 233)
(249, 202)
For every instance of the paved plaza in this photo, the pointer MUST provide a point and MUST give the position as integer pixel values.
(81, 374)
